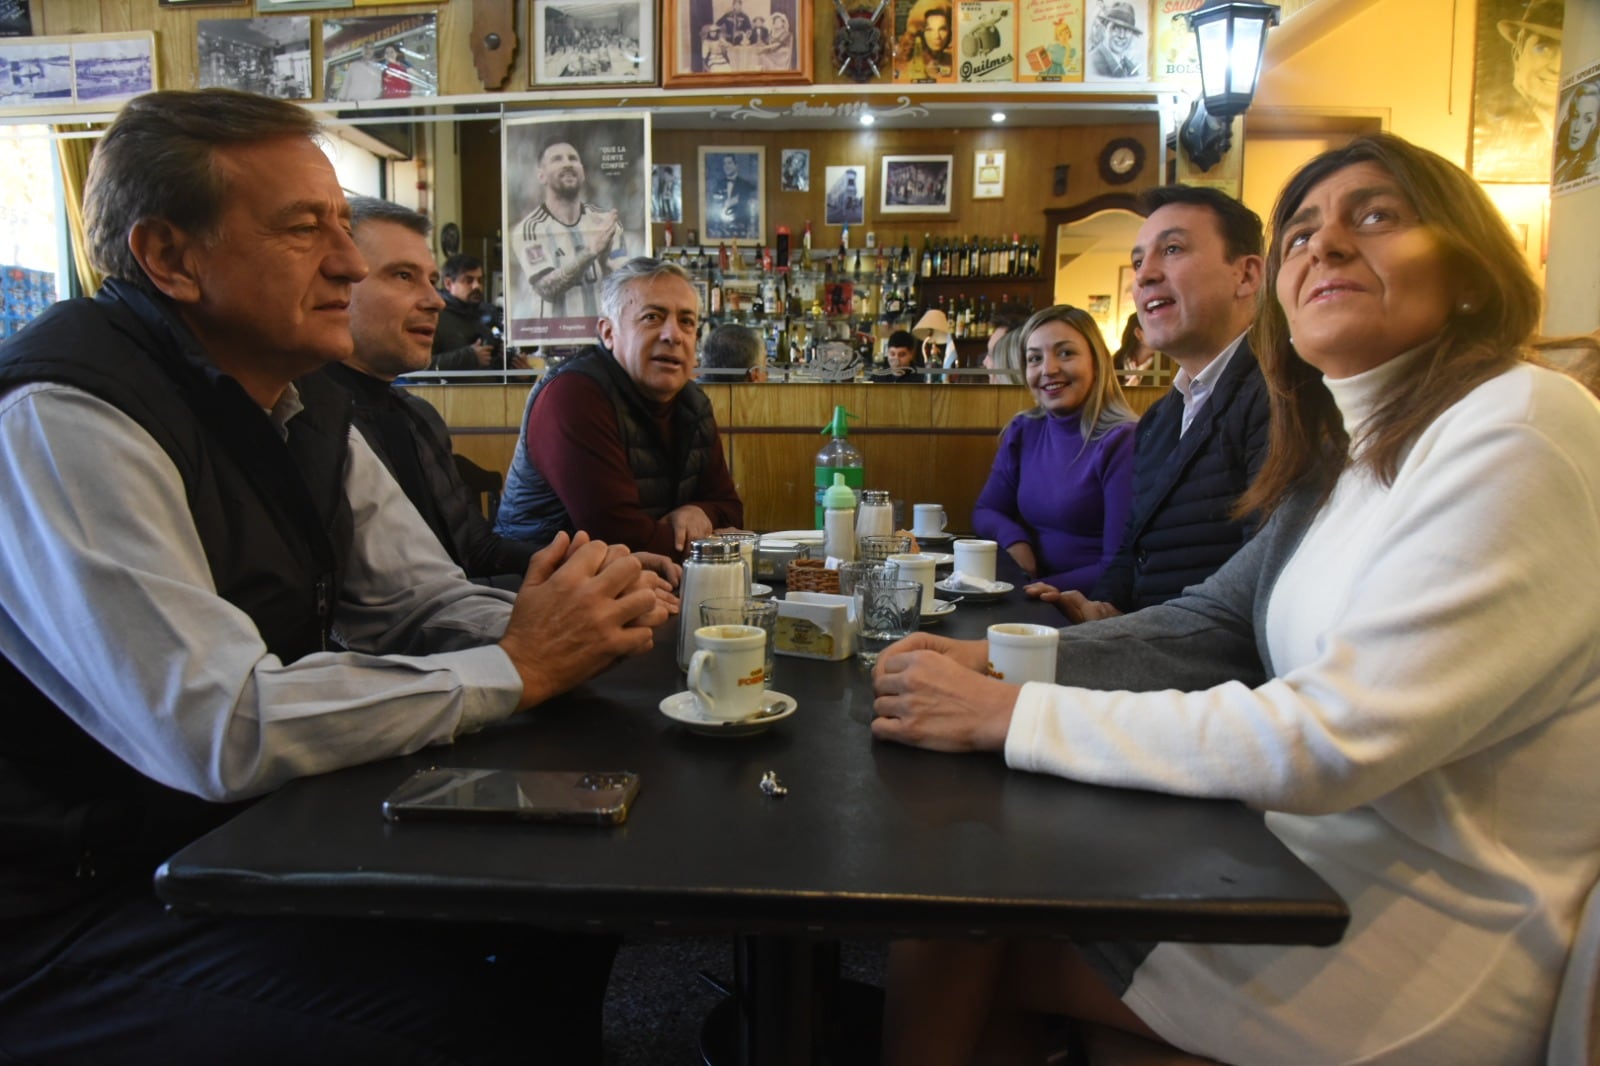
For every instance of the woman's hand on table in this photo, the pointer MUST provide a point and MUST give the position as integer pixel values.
(1072, 603)
(932, 692)
(1022, 554)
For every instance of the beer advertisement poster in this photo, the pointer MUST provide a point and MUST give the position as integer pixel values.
(1050, 40)
(1176, 51)
(986, 40)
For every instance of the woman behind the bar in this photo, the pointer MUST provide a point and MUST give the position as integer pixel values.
(1400, 669)
(1058, 495)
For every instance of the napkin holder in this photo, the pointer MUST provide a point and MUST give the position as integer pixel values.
(815, 625)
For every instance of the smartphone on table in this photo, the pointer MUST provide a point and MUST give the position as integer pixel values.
(593, 798)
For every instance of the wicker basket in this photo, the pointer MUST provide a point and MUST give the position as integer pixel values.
(812, 575)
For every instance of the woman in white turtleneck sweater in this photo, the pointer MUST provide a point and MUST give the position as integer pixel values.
(1423, 603)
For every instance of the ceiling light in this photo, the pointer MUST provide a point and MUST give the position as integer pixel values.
(867, 119)
(998, 116)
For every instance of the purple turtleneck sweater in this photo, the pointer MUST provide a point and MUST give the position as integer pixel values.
(1068, 499)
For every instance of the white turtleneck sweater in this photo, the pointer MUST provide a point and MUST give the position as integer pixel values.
(1427, 743)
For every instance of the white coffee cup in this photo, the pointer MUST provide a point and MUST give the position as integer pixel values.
(728, 670)
(1020, 652)
(927, 519)
(975, 558)
(918, 568)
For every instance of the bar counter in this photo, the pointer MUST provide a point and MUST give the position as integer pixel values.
(923, 443)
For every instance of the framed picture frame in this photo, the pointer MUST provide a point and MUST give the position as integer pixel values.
(733, 205)
(380, 57)
(708, 43)
(988, 175)
(845, 199)
(794, 175)
(592, 42)
(269, 57)
(41, 74)
(108, 68)
(577, 192)
(1514, 108)
(666, 192)
(916, 186)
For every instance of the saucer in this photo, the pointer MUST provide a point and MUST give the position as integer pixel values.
(684, 707)
(973, 595)
(940, 610)
(940, 558)
(760, 592)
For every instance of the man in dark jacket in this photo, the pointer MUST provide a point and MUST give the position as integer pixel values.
(190, 539)
(619, 441)
(392, 313)
(462, 341)
(1197, 272)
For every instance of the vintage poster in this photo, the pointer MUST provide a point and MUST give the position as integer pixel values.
(1050, 40)
(266, 56)
(924, 41)
(986, 36)
(1516, 79)
(574, 211)
(1176, 51)
(1577, 162)
(1117, 40)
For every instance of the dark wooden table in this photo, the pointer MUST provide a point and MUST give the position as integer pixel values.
(872, 840)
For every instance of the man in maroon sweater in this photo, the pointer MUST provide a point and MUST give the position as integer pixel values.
(620, 442)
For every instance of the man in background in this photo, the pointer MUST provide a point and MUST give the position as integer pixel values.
(566, 245)
(1197, 270)
(900, 352)
(733, 353)
(210, 586)
(463, 340)
(392, 312)
(619, 441)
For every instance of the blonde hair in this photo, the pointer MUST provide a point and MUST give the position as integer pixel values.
(1105, 407)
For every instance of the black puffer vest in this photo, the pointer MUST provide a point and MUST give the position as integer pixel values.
(276, 526)
(530, 510)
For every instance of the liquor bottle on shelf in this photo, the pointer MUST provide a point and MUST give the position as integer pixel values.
(782, 241)
(805, 247)
(904, 263)
(844, 245)
(714, 299)
(855, 271)
(722, 257)
(666, 231)
(927, 257)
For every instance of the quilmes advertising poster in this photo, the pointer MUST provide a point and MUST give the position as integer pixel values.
(1050, 40)
(986, 40)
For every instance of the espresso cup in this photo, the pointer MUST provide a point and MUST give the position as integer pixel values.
(1020, 652)
(727, 672)
(927, 519)
(918, 568)
(975, 558)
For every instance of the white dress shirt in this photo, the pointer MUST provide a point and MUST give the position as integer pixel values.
(1197, 390)
(107, 604)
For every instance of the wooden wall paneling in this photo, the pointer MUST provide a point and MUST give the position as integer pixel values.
(963, 463)
(721, 397)
(792, 405)
(890, 404)
(490, 451)
(773, 472)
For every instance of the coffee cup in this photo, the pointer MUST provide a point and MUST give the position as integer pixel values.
(975, 558)
(918, 568)
(927, 519)
(727, 672)
(1020, 652)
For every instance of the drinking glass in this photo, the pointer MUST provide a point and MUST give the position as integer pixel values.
(851, 575)
(888, 610)
(741, 610)
(878, 549)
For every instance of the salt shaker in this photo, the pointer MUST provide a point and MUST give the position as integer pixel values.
(875, 516)
(714, 570)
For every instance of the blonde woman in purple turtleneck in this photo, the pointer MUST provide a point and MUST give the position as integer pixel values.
(1058, 495)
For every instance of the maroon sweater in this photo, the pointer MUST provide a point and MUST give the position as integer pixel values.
(573, 439)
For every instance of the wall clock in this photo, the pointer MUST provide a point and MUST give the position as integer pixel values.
(1121, 161)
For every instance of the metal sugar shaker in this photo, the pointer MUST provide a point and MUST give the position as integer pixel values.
(715, 569)
(875, 516)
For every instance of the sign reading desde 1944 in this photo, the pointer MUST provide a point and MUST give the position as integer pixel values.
(986, 40)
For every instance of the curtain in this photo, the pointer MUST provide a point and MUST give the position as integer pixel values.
(73, 154)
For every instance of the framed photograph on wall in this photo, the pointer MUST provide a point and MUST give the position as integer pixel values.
(380, 57)
(40, 73)
(795, 173)
(988, 175)
(593, 42)
(574, 210)
(666, 192)
(846, 200)
(269, 57)
(111, 68)
(916, 185)
(735, 42)
(733, 205)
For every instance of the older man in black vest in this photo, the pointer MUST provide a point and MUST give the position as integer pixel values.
(620, 442)
(209, 585)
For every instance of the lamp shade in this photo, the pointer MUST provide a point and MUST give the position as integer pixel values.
(932, 324)
(1232, 36)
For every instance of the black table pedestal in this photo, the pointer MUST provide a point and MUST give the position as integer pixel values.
(790, 1008)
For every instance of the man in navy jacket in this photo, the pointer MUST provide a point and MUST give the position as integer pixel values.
(1197, 273)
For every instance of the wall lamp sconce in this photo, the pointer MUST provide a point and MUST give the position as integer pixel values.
(1232, 35)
